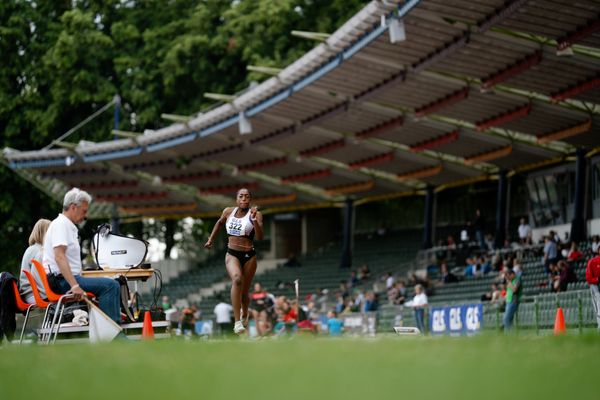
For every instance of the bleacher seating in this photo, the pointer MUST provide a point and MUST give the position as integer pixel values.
(536, 311)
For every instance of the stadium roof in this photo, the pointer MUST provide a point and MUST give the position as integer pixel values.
(467, 89)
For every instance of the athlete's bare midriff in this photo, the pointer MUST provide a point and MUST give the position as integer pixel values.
(240, 243)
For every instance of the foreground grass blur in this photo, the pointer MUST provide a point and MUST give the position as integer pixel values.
(489, 367)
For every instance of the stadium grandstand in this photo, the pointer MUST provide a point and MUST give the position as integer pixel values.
(370, 156)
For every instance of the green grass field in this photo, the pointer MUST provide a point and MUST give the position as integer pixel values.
(485, 367)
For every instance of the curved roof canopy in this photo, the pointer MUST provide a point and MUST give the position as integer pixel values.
(468, 88)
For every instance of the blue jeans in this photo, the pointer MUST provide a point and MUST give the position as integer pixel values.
(420, 317)
(105, 289)
(509, 314)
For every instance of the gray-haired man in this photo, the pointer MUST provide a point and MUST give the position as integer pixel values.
(62, 256)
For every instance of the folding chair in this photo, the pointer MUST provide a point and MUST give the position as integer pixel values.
(39, 301)
(23, 307)
(56, 298)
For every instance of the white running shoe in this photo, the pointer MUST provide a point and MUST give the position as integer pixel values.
(238, 327)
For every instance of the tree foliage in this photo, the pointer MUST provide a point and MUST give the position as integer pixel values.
(62, 60)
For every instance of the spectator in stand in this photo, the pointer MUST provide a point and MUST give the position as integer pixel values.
(322, 299)
(493, 293)
(364, 273)
(592, 276)
(371, 302)
(389, 280)
(489, 241)
(555, 237)
(525, 232)
(566, 275)
(335, 325)
(352, 280)
(223, 316)
(166, 304)
(445, 275)
(550, 252)
(393, 293)
(292, 261)
(517, 267)
(595, 244)
(479, 228)
(513, 297)
(574, 253)
(344, 289)
(419, 303)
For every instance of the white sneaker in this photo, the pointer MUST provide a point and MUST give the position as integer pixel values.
(238, 327)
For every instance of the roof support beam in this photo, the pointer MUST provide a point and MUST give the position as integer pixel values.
(435, 142)
(421, 173)
(308, 176)
(576, 90)
(381, 128)
(565, 133)
(370, 161)
(509, 8)
(489, 155)
(504, 118)
(580, 34)
(512, 70)
(444, 102)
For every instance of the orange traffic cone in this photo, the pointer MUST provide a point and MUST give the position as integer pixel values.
(147, 329)
(559, 322)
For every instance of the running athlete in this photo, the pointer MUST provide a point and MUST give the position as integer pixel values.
(242, 224)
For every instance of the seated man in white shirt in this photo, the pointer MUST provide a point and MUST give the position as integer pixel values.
(62, 256)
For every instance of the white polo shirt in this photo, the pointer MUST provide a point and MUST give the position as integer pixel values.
(223, 313)
(62, 232)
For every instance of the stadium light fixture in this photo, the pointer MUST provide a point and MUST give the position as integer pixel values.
(396, 30)
(244, 124)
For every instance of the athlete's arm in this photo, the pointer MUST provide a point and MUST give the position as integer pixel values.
(257, 221)
(220, 222)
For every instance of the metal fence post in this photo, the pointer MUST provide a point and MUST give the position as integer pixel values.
(537, 315)
(580, 312)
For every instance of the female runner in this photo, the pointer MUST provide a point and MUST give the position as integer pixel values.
(242, 224)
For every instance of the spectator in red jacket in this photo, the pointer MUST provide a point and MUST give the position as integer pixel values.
(574, 254)
(592, 273)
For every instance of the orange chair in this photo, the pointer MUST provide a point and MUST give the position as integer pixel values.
(23, 307)
(39, 301)
(53, 297)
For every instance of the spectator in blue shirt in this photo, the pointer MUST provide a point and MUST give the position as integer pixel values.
(335, 325)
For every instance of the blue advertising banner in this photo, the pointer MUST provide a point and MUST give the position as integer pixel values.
(456, 320)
